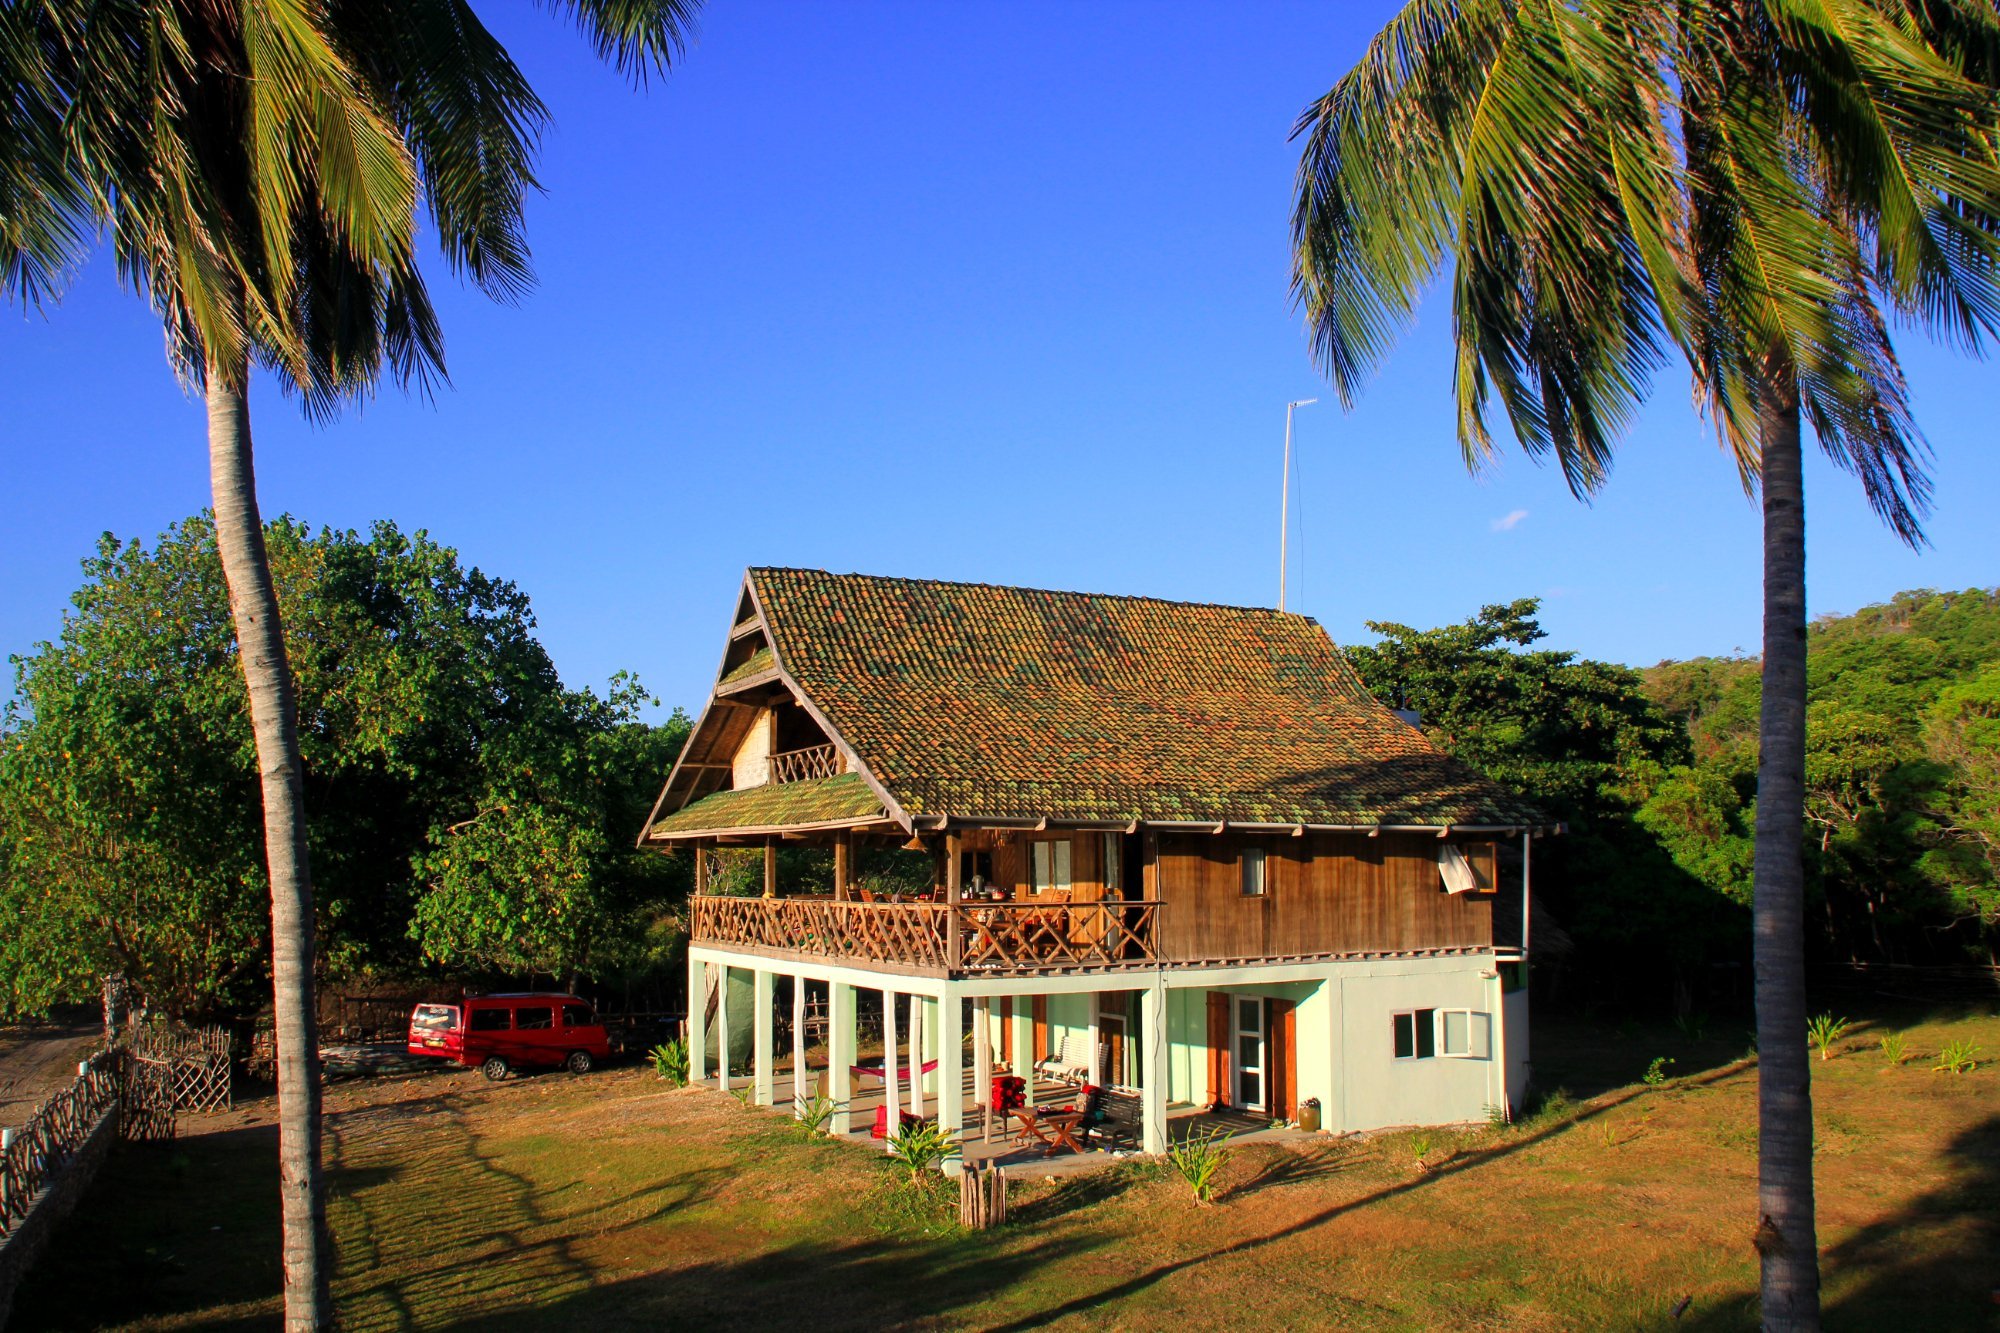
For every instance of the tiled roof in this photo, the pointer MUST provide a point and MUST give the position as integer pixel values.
(973, 700)
(754, 665)
(844, 796)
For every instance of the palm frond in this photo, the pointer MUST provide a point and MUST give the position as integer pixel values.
(637, 36)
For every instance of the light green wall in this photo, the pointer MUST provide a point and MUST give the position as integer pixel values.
(1187, 1039)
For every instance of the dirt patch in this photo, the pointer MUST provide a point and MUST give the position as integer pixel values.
(38, 1060)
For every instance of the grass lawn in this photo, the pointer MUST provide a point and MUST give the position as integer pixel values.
(611, 1202)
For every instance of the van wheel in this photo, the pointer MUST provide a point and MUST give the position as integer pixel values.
(578, 1062)
(495, 1068)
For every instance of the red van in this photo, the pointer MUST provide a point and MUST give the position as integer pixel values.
(498, 1033)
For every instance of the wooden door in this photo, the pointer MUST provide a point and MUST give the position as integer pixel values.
(1113, 1038)
(1250, 1052)
(1218, 1048)
(1283, 1060)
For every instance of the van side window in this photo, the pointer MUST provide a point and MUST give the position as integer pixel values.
(576, 1016)
(543, 1017)
(489, 1020)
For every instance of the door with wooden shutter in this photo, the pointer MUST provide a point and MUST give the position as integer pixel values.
(1219, 1028)
(1282, 1057)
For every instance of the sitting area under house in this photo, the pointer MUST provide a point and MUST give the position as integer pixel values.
(1176, 852)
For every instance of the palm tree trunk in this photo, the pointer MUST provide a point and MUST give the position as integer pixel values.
(239, 537)
(1785, 1234)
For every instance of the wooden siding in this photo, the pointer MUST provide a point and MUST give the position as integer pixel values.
(1324, 893)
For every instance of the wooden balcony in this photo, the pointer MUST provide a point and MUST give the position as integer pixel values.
(975, 938)
(815, 761)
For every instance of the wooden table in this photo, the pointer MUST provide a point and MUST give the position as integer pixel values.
(1055, 1129)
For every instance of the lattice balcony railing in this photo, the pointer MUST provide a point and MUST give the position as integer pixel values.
(815, 761)
(1024, 936)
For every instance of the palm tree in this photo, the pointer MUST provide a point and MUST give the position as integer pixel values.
(258, 166)
(1760, 185)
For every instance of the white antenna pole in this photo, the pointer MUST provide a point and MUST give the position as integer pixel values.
(1285, 499)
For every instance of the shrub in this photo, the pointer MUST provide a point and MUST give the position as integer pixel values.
(1824, 1030)
(670, 1062)
(813, 1115)
(920, 1148)
(1198, 1157)
(1422, 1144)
(1893, 1044)
(1656, 1072)
(1957, 1057)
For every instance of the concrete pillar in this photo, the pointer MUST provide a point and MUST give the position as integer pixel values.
(917, 1056)
(892, 1096)
(761, 1058)
(1024, 1045)
(800, 1092)
(697, 1024)
(722, 1027)
(982, 1050)
(840, 1055)
(1096, 1044)
(1153, 1077)
(951, 1079)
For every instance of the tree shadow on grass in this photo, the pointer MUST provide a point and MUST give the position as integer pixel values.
(866, 1284)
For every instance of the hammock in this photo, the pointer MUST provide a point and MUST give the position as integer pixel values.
(875, 1071)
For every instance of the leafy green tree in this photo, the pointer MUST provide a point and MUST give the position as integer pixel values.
(1584, 740)
(1962, 730)
(127, 765)
(1761, 186)
(259, 167)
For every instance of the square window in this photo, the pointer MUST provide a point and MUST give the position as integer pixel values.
(1048, 866)
(1467, 1034)
(1415, 1034)
(491, 1020)
(1253, 872)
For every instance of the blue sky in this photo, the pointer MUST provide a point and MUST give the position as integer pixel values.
(959, 291)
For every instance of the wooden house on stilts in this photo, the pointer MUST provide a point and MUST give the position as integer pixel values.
(1180, 842)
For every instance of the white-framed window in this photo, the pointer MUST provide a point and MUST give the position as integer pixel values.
(1465, 1034)
(1253, 872)
(1414, 1034)
(1048, 865)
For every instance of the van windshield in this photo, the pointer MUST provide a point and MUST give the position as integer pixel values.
(434, 1018)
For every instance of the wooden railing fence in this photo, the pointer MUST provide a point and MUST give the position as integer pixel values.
(54, 1134)
(182, 1069)
(1020, 936)
(815, 761)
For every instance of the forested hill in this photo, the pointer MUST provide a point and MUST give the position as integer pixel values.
(1656, 772)
(1902, 778)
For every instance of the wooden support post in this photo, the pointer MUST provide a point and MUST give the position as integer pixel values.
(760, 1037)
(1153, 1074)
(722, 1027)
(697, 1019)
(840, 1018)
(954, 885)
(843, 865)
(951, 1079)
(700, 870)
(770, 867)
(800, 1093)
